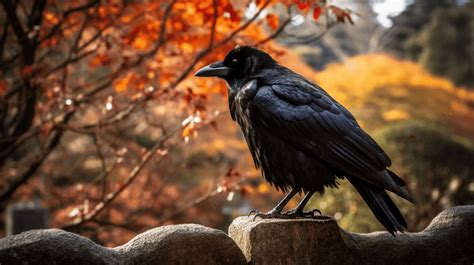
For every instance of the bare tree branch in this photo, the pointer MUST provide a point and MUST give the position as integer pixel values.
(3, 38)
(278, 31)
(191, 204)
(14, 21)
(66, 14)
(111, 196)
(214, 22)
(6, 194)
(23, 118)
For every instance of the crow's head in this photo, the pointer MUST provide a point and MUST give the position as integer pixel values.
(240, 63)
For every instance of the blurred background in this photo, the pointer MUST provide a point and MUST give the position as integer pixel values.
(105, 132)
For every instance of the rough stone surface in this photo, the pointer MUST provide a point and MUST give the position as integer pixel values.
(449, 239)
(176, 244)
(181, 244)
(53, 246)
(298, 241)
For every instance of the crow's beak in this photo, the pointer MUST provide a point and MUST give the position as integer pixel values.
(214, 69)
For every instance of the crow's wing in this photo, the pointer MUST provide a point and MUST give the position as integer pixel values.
(308, 118)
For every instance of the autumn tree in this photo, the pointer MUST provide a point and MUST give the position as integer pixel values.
(92, 91)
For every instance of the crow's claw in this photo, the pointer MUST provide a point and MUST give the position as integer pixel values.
(252, 211)
(294, 213)
(291, 214)
(269, 215)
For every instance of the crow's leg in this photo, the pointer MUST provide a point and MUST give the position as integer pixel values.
(298, 211)
(275, 212)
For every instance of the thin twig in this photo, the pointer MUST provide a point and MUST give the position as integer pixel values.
(311, 37)
(7, 193)
(66, 14)
(14, 21)
(214, 23)
(277, 32)
(131, 177)
(102, 162)
(191, 204)
(121, 114)
(207, 50)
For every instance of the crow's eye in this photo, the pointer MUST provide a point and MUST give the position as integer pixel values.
(234, 61)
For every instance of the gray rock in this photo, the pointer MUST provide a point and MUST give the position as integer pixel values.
(53, 246)
(181, 244)
(449, 239)
(298, 241)
(174, 244)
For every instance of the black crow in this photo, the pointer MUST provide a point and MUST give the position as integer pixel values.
(302, 139)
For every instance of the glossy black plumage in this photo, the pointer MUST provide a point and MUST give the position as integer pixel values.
(302, 138)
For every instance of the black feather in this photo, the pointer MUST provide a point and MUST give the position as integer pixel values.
(381, 205)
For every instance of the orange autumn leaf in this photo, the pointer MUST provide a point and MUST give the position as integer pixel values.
(102, 11)
(165, 78)
(178, 26)
(100, 60)
(189, 131)
(186, 132)
(272, 21)
(232, 14)
(122, 84)
(130, 37)
(263, 188)
(50, 17)
(141, 43)
(127, 18)
(187, 47)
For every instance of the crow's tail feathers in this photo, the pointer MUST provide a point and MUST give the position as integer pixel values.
(381, 205)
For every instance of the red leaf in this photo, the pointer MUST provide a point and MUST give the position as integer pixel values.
(316, 13)
(341, 15)
(3, 87)
(27, 70)
(234, 15)
(303, 6)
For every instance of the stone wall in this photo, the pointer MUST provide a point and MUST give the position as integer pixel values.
(449, 239)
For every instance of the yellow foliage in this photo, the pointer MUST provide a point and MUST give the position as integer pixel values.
(366, 73)
(380, 89)
(395, 115)
(187, 47)
(141, 43)
(263, 188)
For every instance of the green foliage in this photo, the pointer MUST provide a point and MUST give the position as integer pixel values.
(380, 89)
(446, 45)
(434, 163)
(409, 23)
(438, 35)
